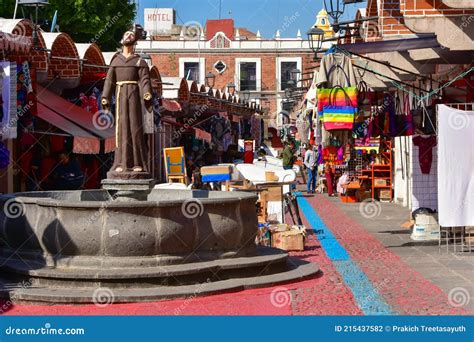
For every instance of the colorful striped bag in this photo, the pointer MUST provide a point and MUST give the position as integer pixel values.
(324, 95)
(340, 112)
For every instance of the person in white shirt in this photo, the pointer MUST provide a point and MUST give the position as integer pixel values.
(311, 163)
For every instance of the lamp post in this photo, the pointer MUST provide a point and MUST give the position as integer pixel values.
(210, 79)
(36, 4)
(289, 92)
(246, 95)
(294, 74)
(315, 40)
(147, 58)
(231, 88)
(335, 9)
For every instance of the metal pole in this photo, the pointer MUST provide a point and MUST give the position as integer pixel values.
(16, 7)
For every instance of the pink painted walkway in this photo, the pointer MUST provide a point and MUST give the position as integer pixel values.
(403, 288)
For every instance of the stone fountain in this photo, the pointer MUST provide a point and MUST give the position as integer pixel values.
(135, 242)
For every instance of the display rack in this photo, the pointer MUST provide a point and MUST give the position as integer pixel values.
(381, 171)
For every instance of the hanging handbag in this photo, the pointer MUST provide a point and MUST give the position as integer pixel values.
(339, 114)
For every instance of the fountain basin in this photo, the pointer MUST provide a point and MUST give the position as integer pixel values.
(72, 242)
(87, 228)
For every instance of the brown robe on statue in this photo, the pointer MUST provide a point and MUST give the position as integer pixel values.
(129, 79)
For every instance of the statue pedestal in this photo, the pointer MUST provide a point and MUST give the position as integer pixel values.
(128, 189)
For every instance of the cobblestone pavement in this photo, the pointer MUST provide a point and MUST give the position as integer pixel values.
(373, 276)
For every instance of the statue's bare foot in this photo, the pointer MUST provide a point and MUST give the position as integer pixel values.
(137, 169)
(119, 169)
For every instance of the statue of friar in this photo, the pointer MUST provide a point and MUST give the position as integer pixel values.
(128, 78)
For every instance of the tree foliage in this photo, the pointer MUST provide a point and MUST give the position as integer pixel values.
(99, 21)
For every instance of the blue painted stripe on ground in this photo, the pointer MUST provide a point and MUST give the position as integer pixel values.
(367, 297)
(330, 244)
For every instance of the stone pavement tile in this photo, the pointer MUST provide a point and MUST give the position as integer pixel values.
(405, 289)
(328, 296)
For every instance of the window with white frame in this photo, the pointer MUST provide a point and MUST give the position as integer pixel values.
(192, 69)
(248, 74)
(284, 67)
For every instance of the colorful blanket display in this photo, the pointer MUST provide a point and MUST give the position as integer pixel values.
(367, 145)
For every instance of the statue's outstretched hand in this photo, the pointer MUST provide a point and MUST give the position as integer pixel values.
(148, 101)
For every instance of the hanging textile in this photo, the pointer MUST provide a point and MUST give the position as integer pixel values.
(9, 96)
(4, 156)
(156, 111)
(303, 126)
(255, 129)
(425, 154)
(336, 70)
(202, 135)
(455, 172)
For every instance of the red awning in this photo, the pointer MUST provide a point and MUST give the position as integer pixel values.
(170, 105)
(84, 142)
(71, 114)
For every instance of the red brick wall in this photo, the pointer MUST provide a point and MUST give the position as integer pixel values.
(391, 19)
(63, 46)
(93, 56)
(168, 65)
(430, 7)
(391, 16)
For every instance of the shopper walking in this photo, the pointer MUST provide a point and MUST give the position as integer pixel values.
(311, 163)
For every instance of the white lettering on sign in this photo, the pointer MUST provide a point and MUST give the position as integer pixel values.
(158, 20)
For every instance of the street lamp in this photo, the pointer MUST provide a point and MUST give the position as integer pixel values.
(231, 88)
(210, 79)
(36, 4)
(315, 39)
(246, 95)
(335, 9)
(294, 74)
(147, 58)
(289, 92)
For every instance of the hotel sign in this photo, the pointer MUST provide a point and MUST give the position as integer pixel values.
(159, 20)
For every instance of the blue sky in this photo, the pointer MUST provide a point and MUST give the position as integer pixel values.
(264, 15)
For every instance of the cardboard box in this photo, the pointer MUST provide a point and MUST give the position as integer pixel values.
(216, 170)
(363, 195)
(290, 240)
(270, 176)
(380, 182)
(385, 194)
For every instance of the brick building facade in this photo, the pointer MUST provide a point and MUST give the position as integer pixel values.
(235, 55)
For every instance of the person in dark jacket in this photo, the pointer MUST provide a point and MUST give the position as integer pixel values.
(68, 174)
(289, 156)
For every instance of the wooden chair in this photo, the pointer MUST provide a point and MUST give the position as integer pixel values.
(172, 175)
